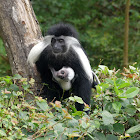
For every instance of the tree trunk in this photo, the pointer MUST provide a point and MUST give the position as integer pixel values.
(20, 31)
(126, 35)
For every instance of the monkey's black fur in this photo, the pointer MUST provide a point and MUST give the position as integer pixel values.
(63, 29)
(69, 57)
(81, 86)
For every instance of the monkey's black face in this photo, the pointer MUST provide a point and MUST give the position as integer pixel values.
(58, 45)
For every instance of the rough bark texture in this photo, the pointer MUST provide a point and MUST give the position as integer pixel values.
(20, 31)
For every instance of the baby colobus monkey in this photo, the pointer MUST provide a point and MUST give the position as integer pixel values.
(64, 77)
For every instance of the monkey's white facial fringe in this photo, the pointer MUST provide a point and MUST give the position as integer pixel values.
(71, 41)
(37, 50)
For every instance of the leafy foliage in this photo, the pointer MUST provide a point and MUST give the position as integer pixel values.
(115, 110)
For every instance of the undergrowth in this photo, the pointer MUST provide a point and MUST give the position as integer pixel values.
(114, 112)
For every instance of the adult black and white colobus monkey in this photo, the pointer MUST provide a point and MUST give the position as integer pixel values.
(61, 48)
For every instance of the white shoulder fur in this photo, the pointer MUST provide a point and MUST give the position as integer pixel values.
(74, 43)
(37, 49)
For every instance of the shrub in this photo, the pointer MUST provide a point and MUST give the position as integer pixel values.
(114, 112)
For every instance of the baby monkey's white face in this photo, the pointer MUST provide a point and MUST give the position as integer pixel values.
(63, 77)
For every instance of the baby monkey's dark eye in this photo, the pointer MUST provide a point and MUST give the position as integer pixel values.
(61, 40)
(62, 72)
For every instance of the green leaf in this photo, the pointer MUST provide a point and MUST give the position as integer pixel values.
(118, 127)
(72, 98)
(130, 109)
(111, 137)
(43, 105)
(124, 85)
(104, 69)
(133, 129)
(132, 68)
(105, 86)
(130, 93)
(117, 106)
(84, 124)
(58, 128)
(26, 86)
(133, 139)
(14, 87)
(23, 115)
(8, 80)
(17, 76)
(72, 123)
(100, 136)
(73, 135)
(116, 89)
(107, 118)
(91, 128)
(73, 108)
(99, 89)
(2, 132)
(109, 81)
(1, 105)
(102, 87)
(77, 113)
(97, 124)
(119, 81)
(78, 99)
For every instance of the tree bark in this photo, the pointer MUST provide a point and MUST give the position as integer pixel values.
(20, 31)
(126, 34)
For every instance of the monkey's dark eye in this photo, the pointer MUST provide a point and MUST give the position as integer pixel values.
(61, 40)
(53, 40)
(62, 72)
